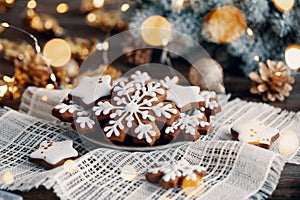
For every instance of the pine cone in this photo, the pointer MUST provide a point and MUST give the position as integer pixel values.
(32, 70)
(273, 81)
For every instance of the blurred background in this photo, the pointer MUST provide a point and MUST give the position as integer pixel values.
(239, 36)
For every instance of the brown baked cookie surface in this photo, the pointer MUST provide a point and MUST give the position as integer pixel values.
(189, 126)
(138, 111)
(136, 107)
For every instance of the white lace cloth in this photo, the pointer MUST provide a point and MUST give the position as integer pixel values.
(97, 174)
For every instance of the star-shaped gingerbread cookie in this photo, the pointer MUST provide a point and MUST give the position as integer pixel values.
(53, 154)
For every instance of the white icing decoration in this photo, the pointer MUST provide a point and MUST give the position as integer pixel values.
(55, 152)
(208, 96)
(145, 131)
(85, 121)
(177, 169)
(83, 113)
(129, 104)
(188, 123)
(254, 131)
(92, 88)
(102, 108)
(181, 95)
(62, 108)
(140, 77)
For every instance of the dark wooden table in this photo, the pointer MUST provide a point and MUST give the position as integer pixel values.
(235, 83)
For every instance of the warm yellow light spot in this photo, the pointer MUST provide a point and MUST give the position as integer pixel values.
(288, 142)
(9, 1)
(98, 3)
(165, 42)
(292, 55)
(284, 5)
(44, 98)
(166, 198)
(278, 73)
(30, 13)
(57, 51)
(59, 30)
(125, 7)
(5, 24)
(91, 17)
(193, 187)
(48, 24)
(129, 173)
(256, 58)
(8, 178)
(8, 79)
(31, 4)
(105, 46)
(249, 32)
(178, 4)
(62, 8)
(50, 86)
(155, 29)
(53, 77)
(70, 166)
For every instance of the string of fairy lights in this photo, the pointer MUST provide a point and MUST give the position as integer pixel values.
(292, 51)
(153, 36)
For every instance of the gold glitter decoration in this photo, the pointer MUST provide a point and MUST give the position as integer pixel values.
(6, 4)
(106, 20)
(12, 50)
(32, 70)
(89, 5)
(81, 47)
(43, 23)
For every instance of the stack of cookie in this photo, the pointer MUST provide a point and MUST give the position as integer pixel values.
(138, 111)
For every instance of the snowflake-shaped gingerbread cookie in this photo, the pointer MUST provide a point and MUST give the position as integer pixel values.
(191, 126)
(135, 109)
(169, 175)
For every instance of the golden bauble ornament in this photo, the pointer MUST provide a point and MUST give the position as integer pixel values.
(207, 74)
(224, 24)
